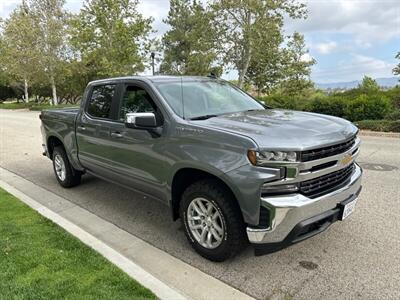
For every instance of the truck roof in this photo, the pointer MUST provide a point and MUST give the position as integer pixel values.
(156, 78)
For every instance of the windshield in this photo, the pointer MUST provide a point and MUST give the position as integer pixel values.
(207, 98)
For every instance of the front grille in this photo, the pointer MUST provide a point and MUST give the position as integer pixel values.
(327, 151)
(324, 184)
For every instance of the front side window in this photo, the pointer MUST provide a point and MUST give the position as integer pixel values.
(100, 101)
(192, 99)
(135, 100)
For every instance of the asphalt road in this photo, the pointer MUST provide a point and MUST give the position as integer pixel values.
(357, 258)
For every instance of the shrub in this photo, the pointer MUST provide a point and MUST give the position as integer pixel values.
(394, 96)
(334, 106)
(365, 107)
(285, 101)
(6, 93)
(355, 106)
(393, 115)
(279, 101)
(379, 125)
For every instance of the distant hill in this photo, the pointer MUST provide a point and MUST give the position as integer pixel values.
(383, 82)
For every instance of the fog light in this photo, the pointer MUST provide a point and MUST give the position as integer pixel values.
(279, 189)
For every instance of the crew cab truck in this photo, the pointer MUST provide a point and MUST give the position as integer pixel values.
(230, 168)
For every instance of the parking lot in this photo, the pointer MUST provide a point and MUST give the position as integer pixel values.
(359, 258)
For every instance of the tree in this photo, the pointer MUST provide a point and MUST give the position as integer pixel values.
(109, 36)
(19, 52)
(50, 19)
(297, 66)
(396, 70)
(189, 46)
(368, 85)
(266, 67)
(242, 24)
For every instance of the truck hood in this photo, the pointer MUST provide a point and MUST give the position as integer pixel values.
(285, 129)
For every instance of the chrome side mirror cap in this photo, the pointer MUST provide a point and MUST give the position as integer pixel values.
(141, 120)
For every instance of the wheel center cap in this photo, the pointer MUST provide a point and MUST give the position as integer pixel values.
(208, 221)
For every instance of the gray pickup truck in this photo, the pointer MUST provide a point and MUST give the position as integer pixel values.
(230, 168)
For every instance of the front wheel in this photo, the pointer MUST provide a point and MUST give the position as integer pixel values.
(66, 175)
(212, 220)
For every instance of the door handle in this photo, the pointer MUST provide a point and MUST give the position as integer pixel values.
(116, 134)
(82, 128)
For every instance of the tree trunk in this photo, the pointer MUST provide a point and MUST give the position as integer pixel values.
(26, 95)
(243, 71)
(54, 90)
(241, 79)
(247, 53)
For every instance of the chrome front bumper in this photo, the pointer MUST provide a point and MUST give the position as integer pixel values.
(286, 211)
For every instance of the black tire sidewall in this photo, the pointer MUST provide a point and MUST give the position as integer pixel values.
(71, 179)
(224, 250)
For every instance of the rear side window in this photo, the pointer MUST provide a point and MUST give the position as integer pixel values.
(100, 101)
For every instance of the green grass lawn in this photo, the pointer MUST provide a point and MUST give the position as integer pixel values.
(39, 260)
(33, 106)
(15, 105)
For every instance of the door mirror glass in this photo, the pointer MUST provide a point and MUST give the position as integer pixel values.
(140, 120)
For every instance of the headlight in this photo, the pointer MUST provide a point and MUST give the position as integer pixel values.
(259, 158)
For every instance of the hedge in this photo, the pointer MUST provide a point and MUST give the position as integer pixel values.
(362, 107)
(371, 107)
(333, 106)
(394, 115)
(379, 125)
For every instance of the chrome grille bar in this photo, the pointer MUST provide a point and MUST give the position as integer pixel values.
(322, 185)
(319, 153)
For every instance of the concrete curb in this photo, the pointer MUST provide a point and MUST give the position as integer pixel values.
(379, 133)
(159, 288)
(167, 276)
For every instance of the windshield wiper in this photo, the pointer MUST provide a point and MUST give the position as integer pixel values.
(205, 117)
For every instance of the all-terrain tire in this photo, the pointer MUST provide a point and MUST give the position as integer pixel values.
(234, 237)
(68, 177)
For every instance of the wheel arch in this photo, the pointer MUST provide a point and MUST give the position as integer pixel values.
(186, 176)
(52, 142)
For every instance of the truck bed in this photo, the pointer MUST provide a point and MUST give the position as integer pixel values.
(68, 110)
(60, 124)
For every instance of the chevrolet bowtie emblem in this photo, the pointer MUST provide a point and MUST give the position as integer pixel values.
(345, 160)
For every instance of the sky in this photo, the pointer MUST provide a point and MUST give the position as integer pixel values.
(348, 38)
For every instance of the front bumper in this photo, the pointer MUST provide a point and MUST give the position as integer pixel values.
(288, 212)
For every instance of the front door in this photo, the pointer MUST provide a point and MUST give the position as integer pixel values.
(138, 155)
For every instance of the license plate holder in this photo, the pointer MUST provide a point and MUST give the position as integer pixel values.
(348, 208)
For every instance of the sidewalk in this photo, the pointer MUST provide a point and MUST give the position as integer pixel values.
(167, 276)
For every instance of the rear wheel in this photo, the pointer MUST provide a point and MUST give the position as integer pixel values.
(212, 221)
(66, 175)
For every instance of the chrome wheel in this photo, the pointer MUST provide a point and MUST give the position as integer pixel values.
(205, 223)
(59, 166)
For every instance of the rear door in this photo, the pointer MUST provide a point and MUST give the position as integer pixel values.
(93, 128)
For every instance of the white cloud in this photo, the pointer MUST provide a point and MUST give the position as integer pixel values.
(368, 21)
(354, 67)
(306, 57)
(6, 7)
(158, 10)
(372, 66)
(325, 48)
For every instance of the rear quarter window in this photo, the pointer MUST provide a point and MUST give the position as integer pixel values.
(100, 101)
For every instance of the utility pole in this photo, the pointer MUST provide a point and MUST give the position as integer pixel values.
(152, 55)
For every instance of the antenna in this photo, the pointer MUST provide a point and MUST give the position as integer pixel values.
(183, 102)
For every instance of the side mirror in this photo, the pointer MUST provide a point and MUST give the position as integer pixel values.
(140, 120)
